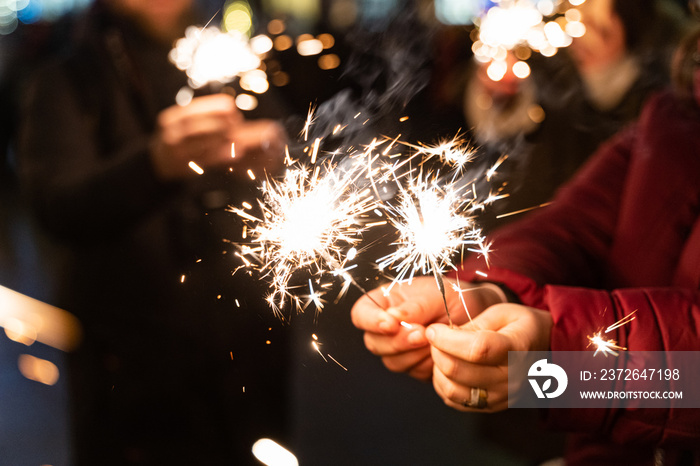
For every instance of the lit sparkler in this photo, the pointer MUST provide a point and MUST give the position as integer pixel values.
(608, 346)
(314, 217)
(433, 221)
(309, 221)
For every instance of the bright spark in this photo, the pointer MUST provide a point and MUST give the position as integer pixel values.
(604, 345)
(608, 346)
(310, 118)
(196, 168)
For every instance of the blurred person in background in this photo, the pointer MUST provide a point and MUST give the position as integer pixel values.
(551, 121)
(181, 362)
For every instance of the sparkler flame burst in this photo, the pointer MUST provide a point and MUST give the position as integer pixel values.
(605, 346)
(310, 219)
(433, 222)
(314, 217)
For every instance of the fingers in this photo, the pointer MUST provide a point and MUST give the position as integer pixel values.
(367, 314)
(466, 373)
(465, 358)
(208, 115)
(457, 395)
(483, 346)
(416, 363)
(403, 340)
(423, 370)
(476, 355)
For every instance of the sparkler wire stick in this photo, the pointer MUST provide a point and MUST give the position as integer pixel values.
(441, 288)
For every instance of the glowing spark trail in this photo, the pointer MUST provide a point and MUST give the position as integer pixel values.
(607, 346)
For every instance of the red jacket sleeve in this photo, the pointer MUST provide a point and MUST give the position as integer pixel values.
(567, 242)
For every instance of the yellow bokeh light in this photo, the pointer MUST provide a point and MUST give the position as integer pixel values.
(329, 61)
(327, 40)
(309, 47)
(275, 27)
(238, 21)
(283, 43)
(497, 70)
(39, 370)
(572, 14)
(246, 102)
(20, 331)
(575, 29)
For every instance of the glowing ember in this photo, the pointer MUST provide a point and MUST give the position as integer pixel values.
(608, 346)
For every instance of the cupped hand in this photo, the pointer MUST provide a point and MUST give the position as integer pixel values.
(475, 355)
(211, 132)
(394, 323)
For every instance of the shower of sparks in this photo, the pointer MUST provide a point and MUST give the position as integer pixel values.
(604, 345)
(311, 219)
(456, 152)
(209, 55)
(608, 346)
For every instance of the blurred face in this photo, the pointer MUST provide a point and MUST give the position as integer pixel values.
(603, 43)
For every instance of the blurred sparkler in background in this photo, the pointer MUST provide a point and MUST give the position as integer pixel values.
(508, 33)
(209, 55)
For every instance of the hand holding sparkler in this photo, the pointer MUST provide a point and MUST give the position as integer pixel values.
(475, 356)
(397, 335)
(210, 132)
